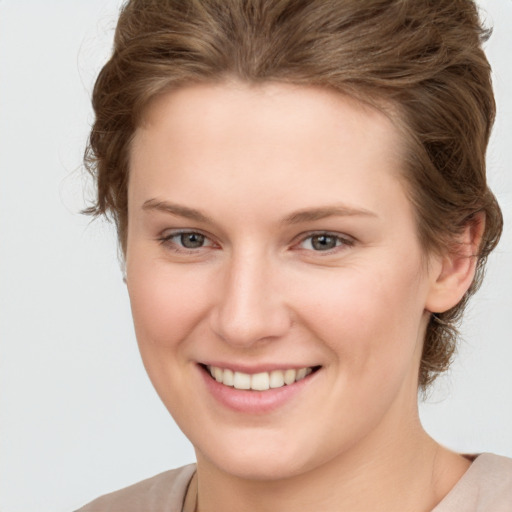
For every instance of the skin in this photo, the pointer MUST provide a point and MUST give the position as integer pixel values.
(258, 293)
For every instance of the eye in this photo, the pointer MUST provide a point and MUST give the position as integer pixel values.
(324, 242)
(188, 240)
(191, 240)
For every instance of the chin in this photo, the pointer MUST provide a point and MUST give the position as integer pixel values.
(259, 468)
(272, 460)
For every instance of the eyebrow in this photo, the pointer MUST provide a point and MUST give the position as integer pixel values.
(176, 209)
(306, 215)
(312, 214)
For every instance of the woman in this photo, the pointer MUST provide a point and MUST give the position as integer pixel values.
(300, 195)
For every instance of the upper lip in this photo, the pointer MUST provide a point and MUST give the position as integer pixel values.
(257, 368)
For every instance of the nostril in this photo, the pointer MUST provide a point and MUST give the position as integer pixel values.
(242, 324)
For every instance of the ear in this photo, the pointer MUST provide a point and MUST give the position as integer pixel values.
(453, 272)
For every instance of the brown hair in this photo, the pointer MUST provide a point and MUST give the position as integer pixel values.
(422, 57)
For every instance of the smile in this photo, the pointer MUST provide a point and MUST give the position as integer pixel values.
(259, 381)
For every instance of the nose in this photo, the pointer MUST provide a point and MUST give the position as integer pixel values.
(251, 305)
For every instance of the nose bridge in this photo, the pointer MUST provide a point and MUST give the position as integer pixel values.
(250, 305)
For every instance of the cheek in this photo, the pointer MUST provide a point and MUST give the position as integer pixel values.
(167, 306)
(167, 301)
(370, 318)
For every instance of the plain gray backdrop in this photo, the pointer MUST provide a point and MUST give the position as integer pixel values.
(78, 416)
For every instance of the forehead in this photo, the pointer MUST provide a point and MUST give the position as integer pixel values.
(254, 105)
(266, 139)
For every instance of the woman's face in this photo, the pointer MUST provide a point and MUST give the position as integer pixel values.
(269, 236)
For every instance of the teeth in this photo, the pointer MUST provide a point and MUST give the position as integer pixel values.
(241, 380)
(289, 376)
(276, 379)
(228, 378)
(218, 374)
(258, 381)
(302, 373)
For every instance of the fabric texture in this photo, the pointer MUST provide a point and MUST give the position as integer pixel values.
(485, 487)
(162, 493)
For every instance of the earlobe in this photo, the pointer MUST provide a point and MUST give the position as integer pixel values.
(453, 272)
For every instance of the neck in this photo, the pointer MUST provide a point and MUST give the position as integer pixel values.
(371, 476)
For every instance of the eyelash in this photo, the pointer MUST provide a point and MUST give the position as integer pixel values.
(341, 241)
(166, 240)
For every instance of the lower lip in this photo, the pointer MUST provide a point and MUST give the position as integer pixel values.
(254, 402)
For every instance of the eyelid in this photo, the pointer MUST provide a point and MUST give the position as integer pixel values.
(345, 240)
(166, 236)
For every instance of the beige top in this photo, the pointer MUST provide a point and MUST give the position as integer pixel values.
(485, 487)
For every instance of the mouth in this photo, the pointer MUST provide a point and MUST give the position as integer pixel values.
(261, 381)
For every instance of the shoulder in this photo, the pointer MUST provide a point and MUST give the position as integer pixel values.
(163, 492)
(486, 487)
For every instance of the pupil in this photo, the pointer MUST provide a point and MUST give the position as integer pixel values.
(323, 242)
(192, 240)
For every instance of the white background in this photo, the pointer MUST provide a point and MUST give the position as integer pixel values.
(78, 416)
